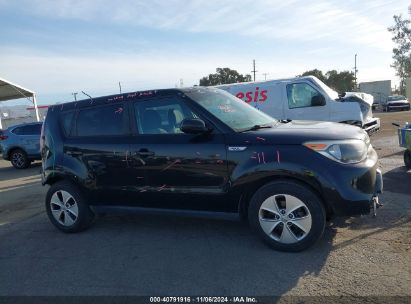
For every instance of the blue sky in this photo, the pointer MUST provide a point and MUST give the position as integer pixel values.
(59, 47)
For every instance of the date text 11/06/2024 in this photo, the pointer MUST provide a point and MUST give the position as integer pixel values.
(203, 300)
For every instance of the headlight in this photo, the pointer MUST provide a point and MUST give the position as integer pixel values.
(344, 151)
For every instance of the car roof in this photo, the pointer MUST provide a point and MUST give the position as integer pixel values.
(112, 99)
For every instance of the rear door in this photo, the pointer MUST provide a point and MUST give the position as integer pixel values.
(182, 170)
(98, 146)
(29, 139)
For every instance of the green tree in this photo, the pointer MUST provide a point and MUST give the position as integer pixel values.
(224, 76)
(339, 81)
(402, 52)
(317, 73)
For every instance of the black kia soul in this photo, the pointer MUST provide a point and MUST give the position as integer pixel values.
(202, 150)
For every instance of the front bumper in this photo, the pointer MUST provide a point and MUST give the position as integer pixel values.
(398, 106)
(353, 189)
(372, 125)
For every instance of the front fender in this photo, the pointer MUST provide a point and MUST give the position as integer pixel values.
(267, 163)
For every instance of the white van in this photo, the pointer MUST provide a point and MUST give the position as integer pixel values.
(305, 98)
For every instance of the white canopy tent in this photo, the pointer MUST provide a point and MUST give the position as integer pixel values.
(10, 91)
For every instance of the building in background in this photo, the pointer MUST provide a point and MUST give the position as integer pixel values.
(41, 109)
(380, 90)
(18, 114)
(408, 88)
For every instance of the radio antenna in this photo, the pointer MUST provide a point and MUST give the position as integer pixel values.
(87, 96)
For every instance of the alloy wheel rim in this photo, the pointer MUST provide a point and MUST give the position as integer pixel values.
(64, 208)
(285, 218)
(18, 159)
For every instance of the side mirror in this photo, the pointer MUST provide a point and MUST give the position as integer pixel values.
(318, 100)
(193, 126)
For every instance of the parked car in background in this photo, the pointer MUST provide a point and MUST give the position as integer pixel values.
(20, 144)
(396, 102)
(306, 98)
(204, 150)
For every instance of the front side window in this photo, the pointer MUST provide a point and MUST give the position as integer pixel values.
(161, 116)
(300, 95)
(101, 121)
(229, 109)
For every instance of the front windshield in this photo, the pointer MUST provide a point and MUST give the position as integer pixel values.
(231, 110)
(330, 92)
(394, 98)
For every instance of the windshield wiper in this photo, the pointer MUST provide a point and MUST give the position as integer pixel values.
(257, 127)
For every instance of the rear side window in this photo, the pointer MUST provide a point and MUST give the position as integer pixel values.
(102, 121)
(28, 130)
(66, 121)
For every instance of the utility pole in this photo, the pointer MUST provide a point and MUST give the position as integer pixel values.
(254, 71)
(355, 71)
(265, 75)
(181, 83)
(119, 85)
(75, 95)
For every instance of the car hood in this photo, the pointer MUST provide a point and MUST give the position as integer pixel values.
(300, 131)
(359, 97)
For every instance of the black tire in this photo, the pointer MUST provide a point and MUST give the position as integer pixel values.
(19, 159)
(301, 192)
(85, 216)
(407, 159)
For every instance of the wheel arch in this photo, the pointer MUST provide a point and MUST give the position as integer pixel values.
(14, 148)
(249, 191)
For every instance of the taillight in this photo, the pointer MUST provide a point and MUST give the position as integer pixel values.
(3, 136)
(42, 137)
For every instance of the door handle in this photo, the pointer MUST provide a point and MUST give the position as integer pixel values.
(74, 152)
(145, 153)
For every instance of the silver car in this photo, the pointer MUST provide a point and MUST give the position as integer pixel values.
(396, 102)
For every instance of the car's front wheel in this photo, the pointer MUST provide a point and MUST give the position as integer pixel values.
(287, 215)
(67, 208)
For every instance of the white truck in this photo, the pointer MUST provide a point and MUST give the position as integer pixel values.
(306, 98)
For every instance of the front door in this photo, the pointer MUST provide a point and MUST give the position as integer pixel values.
(182, 170)
(300, 105)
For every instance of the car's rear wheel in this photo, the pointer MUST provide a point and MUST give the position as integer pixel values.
(407, 159)
(287, 215)
(67, 208)
(19, 159)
